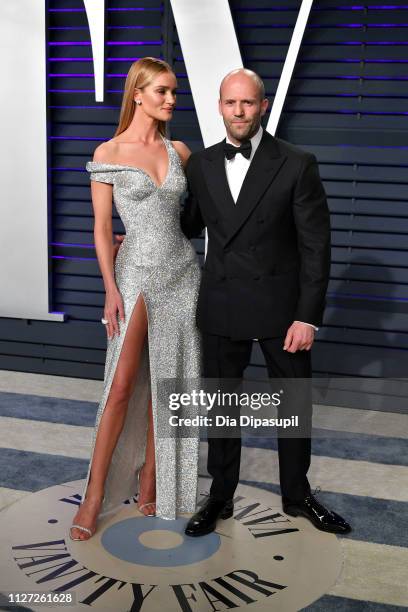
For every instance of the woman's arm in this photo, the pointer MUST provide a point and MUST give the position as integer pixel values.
(102, 206)
(191, 220)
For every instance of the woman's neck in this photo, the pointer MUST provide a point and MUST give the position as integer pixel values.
(142, 129)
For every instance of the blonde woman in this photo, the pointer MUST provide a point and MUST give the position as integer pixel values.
(151, 291)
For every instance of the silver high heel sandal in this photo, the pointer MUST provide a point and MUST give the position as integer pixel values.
(90, 532)
(140, 508)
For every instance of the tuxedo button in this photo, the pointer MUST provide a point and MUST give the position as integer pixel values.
(257, 277)
(261, 220)
(252, 248)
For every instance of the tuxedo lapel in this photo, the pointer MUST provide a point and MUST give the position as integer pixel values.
(213, 166)
(263, 169)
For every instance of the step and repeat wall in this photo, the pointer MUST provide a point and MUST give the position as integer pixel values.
(347, 103)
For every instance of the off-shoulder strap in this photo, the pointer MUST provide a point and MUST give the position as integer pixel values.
(103, 173)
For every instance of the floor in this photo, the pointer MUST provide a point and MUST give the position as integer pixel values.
(360, 463)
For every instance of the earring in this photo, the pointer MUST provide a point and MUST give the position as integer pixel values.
(138, 102)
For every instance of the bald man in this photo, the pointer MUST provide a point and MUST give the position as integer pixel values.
(265, 277)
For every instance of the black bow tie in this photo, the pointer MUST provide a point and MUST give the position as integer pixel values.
(245, 149)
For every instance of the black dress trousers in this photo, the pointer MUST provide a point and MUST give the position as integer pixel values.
(224, 358)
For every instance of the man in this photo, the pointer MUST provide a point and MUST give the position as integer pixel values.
(265, 277)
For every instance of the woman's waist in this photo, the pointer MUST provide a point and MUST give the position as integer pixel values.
(154, 258)
(129, 272)
(155, 248)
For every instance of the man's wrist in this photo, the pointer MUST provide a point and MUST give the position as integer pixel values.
(310, 324)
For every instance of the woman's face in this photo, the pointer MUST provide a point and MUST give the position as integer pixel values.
(159, 97)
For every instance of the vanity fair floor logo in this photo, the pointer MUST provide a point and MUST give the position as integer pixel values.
(258, 560)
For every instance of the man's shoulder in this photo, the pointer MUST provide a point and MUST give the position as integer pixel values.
(207, 151)
(194, 161)
(293, 151)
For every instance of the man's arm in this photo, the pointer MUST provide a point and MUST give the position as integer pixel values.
(312, 219)
(191, 220)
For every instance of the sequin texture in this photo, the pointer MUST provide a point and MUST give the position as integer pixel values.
(157, 262)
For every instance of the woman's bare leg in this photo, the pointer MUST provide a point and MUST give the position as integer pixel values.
(113, 418)
(147, 493)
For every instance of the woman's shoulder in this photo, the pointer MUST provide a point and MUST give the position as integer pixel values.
(105, 152)
(103, 167)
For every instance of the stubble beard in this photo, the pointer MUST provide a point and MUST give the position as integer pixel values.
(251, 130)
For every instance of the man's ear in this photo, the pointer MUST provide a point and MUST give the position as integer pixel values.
(264, 106)
(219, 106)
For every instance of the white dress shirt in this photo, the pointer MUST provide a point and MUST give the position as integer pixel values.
(236, 169)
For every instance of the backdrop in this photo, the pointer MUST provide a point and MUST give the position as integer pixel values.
(347, 104)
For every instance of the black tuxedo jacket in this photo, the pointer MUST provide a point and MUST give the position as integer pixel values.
(268, 256)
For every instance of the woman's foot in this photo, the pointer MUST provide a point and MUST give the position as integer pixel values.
(84, 523)
(147, 490)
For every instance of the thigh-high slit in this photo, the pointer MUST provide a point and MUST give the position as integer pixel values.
(127, 382)
(169, 351)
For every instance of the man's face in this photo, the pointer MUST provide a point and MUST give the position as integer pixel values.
(241, 107)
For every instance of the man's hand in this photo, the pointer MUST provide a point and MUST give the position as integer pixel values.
(299, 337)
(119, 238)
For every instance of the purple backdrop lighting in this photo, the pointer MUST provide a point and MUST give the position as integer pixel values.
(119, 91)
(74, 138)
(82, 10)
(73, 258)
(86, 43)
(83, 106)
(85, 74)
(132, 27)
(70, 244)
(89, 59)
(71, 90)
(70, 74)
(157, 10)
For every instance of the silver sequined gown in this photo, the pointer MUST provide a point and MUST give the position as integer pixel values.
(156, 261)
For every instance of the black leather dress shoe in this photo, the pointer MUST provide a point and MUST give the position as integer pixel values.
(321, 517)
(204, 521)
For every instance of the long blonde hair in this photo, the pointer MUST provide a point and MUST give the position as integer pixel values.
(141, 73)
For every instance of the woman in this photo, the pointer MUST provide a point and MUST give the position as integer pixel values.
(149, 314)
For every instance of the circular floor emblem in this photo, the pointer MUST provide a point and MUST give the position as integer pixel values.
(156, 542)
(258, 560)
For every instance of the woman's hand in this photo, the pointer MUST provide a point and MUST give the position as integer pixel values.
(113, 306)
